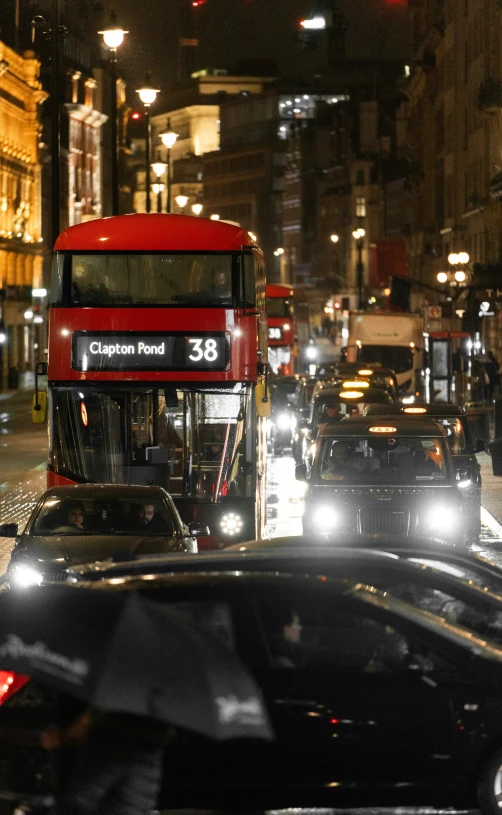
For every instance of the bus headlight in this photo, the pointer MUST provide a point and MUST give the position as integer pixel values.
(439, 518)
(324, 518)
(283, 421)
(231, 523)
(23, 576)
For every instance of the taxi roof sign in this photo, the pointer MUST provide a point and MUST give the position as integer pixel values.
(351, 394)
(355, 384)
(415, 410)
(382, 429)
(365, 372)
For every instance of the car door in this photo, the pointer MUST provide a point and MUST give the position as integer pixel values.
(348, 706)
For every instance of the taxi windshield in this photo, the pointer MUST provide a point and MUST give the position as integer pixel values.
(382, 460)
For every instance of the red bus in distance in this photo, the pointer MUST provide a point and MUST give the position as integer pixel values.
(288, 328)
(157, 354)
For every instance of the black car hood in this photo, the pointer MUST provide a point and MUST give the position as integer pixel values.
(66, 550)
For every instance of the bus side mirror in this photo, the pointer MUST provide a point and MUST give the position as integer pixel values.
(39, 408)
(262, 395)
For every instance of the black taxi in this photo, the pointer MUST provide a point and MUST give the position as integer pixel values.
(383, 474)
(463, 447)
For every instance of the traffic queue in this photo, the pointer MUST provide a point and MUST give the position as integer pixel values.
(359, 664)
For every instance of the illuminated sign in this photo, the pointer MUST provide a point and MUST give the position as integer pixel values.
(275, 333)
(351, 394)
(144, 351)
(365, 372)
(382, 429)
(415, 410)
(356, 384)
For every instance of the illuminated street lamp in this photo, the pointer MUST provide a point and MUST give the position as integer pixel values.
(168, 138)
(159, 167)
(157, 190)
(197, 209)
(334, 238)
(113, 37)
(214, 217)
(148, 95)
(456, 261)
(182, 201)
(358, 235)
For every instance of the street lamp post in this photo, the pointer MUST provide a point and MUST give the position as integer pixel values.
(148, 95)
(3, 340)
(159, 168)
(157, 190)
(358, 235)
(168, 138)
(113, 37)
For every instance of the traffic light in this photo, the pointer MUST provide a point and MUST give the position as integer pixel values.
(400, 290)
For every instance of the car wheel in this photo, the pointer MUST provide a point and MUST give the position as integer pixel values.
(490, 786)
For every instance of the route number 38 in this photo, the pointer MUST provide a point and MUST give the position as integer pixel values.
(203, 349)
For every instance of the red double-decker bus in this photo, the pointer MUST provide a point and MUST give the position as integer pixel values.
(288, 328)
(157, 357)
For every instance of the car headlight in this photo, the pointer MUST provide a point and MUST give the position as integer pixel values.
(311, 352)
(324, 518)
(23, 576)
(440, 518)
(231, 523)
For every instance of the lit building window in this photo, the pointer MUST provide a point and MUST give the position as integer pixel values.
(360, 207)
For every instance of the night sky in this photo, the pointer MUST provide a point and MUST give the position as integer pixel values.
(231, 30)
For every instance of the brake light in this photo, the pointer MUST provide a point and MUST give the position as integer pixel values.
(11, 683)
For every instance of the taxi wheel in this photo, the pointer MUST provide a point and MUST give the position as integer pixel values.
(490, 786)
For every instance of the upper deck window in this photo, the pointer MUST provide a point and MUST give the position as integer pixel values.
(279, 307)
(151, 280)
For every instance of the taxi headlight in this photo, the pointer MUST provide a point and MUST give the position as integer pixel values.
(283, 421)
(311, 352)
(324, 518)
(23, 576)
(440, 518)
(231, 523)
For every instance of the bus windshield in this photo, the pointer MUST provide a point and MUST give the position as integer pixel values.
(195, 445)
(153, 280)
(382, 460)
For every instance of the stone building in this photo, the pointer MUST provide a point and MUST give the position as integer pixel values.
(20, 207)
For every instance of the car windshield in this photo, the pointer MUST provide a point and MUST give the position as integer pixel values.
(102, 514)
(380, 460)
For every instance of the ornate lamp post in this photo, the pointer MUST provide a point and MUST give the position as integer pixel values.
(113, 37)
(358, 235)
(168, 138)
(148, 95)
(197, 209)
(159, 168)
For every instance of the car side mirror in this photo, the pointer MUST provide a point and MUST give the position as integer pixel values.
(198, 530)
(301, 472)
(8, 530)
(479, 446)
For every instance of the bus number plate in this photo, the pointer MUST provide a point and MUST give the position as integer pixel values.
(131, 351)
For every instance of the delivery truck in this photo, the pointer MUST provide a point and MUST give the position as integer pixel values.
(393, 339)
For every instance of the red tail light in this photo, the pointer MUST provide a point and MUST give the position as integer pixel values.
(10, 683)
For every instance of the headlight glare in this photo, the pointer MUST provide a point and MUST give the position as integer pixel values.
(231, 523)
(284, 421)
(324, 518)
(23, 576)
(440, 518)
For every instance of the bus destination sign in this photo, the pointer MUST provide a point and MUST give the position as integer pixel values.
(144, 351)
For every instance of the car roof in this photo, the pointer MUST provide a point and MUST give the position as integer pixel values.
(434, 409)
(88, 491)
(400, 426)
